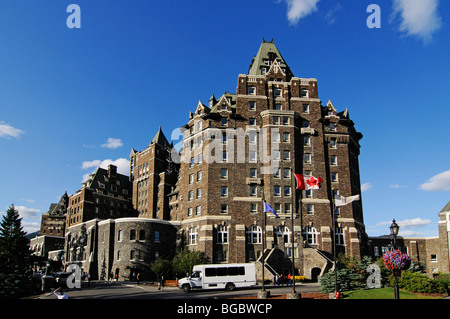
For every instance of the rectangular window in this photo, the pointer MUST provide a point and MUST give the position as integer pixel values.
(251, 90)
(276, 120)
(305, 108)
(333, 160)
(224, 173)
(276, 173)
(251, 106)
(276, 190)
(307, 158)
(253, 208)
(287, 208)
(334, 177)
(224, 191)
(224, 208)
(333, 143)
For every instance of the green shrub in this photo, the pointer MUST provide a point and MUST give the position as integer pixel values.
(347, 279)
(416, 282)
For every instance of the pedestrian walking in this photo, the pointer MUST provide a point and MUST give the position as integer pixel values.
(89, 279)
(138, 277)
(289, 280)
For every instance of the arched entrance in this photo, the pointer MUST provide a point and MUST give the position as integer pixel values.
(315, 273)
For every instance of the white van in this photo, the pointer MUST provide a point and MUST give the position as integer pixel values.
(219, 276)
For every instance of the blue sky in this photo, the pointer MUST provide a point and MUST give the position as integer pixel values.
(73, 99)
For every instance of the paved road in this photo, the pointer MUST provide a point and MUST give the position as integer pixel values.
(130, 290)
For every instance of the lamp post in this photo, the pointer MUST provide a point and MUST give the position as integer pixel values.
(394, 228)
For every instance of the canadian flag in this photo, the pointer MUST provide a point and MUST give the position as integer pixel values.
(307, 182)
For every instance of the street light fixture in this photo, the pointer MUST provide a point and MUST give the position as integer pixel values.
(394, 228)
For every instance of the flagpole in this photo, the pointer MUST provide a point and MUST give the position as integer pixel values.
(334, 245)
(292, 229)
(263, 239)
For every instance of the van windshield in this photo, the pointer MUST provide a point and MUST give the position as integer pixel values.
(195, 274)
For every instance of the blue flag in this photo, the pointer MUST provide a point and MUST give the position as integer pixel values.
(267, 208)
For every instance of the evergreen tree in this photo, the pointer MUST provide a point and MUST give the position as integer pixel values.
(15, 267)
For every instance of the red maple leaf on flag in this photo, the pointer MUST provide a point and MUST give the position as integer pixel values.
(314, 182)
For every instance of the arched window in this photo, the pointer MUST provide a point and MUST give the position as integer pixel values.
(284, 232)
(310, 235)
(254, 235)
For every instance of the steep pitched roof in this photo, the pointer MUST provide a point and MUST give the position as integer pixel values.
(446, 208)
(267, 53)
(159, 138)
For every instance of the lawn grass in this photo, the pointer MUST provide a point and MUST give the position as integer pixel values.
(383, 293)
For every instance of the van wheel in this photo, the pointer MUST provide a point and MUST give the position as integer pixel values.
(186, 288)
(229, 287)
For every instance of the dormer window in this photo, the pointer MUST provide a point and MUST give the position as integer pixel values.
(224, 121)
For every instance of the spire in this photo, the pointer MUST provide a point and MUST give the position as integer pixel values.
(159, 138)
(267, 53)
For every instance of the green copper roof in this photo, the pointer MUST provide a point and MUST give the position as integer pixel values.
(267, 52)
(160, 138)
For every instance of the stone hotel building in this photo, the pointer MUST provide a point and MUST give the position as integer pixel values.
(237, 150)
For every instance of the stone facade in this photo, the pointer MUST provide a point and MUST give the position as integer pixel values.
(121, 246)
(238, 152)
(245, 146)
(53, 222)
(106, 194)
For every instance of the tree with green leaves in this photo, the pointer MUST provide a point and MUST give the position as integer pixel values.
(183, 262)
(161, 267)
(15, 264)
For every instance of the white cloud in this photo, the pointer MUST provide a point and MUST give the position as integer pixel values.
(8, 131)
(418, 17)
(397, 186)
(112, 143)
(88, 164)
(408, 223)
(365, 187)
(123, 166)
(298, 9)
(439, 182)
(330, 16)
(29, 213)
(31, 227)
